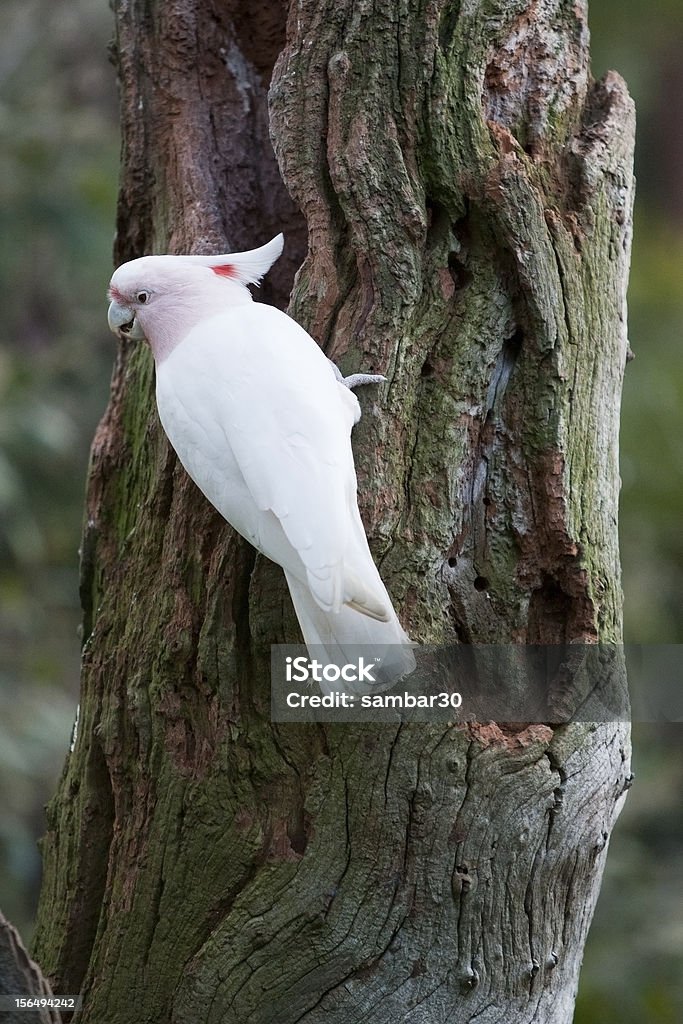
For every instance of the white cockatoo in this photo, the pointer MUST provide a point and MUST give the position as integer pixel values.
(261, 420)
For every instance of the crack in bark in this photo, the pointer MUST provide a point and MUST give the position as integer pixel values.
(392, 747)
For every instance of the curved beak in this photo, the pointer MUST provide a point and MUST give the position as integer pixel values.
(124, 323)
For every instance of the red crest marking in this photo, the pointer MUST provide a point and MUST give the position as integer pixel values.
(226, 270)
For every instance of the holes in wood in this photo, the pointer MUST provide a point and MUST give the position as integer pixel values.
(514, 343)
(460, 275)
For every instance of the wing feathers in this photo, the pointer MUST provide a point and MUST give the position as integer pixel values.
(358, 596)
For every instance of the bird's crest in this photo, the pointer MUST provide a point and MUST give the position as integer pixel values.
(245, 267)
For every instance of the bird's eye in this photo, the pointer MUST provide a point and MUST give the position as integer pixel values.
(142, 297)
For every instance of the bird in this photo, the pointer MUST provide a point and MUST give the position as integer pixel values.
(261, 420)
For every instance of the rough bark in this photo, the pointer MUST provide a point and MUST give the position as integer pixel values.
(20, 976)
(466, 189)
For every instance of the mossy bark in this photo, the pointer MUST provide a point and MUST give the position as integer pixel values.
(466, 196)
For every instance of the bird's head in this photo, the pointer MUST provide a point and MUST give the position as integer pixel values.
(133, 286)
(159, 298)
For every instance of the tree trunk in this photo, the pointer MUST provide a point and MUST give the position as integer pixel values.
(466, 189)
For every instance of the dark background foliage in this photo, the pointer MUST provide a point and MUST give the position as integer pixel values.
(58, 172)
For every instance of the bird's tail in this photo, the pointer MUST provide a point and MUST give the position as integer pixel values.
(343, 638)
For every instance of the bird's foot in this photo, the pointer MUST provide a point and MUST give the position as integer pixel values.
(355, 380)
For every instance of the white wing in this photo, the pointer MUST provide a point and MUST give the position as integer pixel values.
(257, 387)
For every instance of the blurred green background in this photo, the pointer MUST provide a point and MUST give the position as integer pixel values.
(58, 173)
